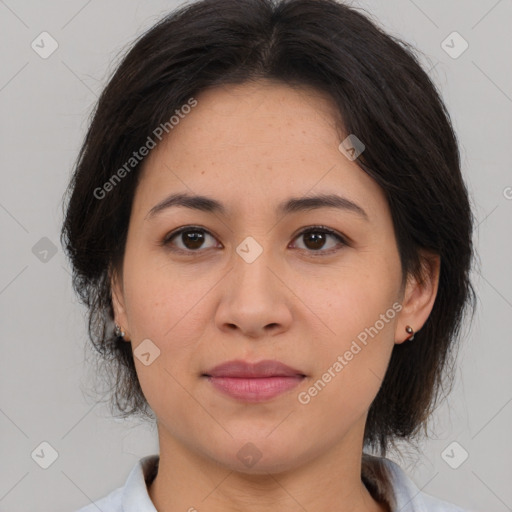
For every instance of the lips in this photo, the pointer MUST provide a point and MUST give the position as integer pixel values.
(243, 369)
(253, 382)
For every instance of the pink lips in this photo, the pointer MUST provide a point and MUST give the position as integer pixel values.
(254, 382)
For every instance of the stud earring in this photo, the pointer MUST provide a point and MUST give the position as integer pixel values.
(410, 330)
(118, 331)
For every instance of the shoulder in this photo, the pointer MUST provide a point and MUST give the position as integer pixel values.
(133, 495)
(110, 503)
(399, 490)
(432, 504)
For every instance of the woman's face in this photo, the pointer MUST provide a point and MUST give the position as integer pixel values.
(257, 278)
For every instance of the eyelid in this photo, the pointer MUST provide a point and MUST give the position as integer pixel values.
(342, 239)
(167, 238)
(326, 229)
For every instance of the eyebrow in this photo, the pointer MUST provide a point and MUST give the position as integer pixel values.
(291, 205)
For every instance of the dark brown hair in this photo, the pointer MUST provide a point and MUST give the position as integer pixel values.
(383, 96)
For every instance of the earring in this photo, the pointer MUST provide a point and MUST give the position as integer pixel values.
(410, 330)
(118, 331)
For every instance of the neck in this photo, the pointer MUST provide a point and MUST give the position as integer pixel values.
(189, 481)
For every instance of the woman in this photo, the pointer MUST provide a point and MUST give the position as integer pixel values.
(268, 223)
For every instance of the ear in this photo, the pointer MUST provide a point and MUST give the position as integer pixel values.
(120, 317)
(419, 296)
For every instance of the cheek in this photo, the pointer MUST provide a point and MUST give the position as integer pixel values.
(350, 365)
(361, 315)
(166, 308)
(163, 302)
(352, 300)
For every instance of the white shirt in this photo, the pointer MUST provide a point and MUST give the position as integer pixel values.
(385, 480)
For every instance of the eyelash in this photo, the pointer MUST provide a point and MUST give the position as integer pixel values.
(166, 242)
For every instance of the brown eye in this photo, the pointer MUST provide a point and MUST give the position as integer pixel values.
(192, 239)
(188, 239)
(316, 239)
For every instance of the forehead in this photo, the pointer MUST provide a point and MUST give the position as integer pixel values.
(255, 139)
(258, 116)
(267, 98)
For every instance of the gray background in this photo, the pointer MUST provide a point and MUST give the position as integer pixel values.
(45, 104)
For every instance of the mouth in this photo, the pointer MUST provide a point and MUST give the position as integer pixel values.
(253, 382)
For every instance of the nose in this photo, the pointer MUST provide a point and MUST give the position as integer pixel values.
(254, 298)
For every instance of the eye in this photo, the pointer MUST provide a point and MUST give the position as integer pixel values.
(315, 239)
(191, 239)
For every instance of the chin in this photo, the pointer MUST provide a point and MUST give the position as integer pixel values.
(260, 455)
